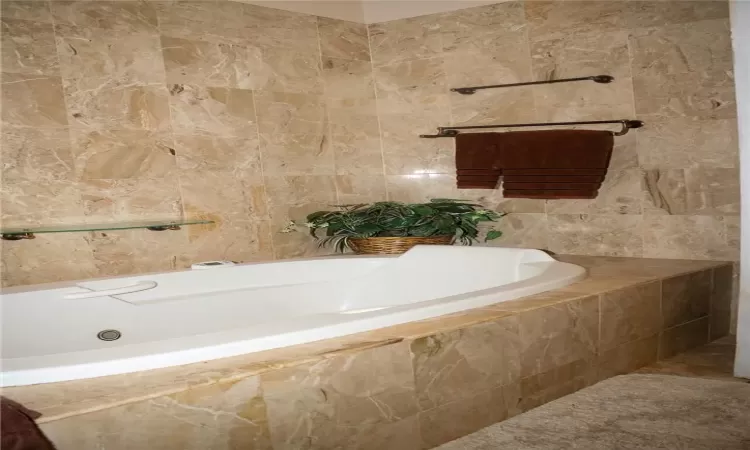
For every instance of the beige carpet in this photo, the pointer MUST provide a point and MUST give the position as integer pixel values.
(629, 412)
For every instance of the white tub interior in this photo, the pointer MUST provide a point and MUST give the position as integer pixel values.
(190, 316)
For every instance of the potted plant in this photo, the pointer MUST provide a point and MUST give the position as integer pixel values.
(394, 227)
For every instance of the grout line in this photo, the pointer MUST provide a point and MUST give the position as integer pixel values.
(377, 113)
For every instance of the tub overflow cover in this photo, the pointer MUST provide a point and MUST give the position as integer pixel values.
(109, 335)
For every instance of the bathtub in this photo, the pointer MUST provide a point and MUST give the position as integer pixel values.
(84, 329)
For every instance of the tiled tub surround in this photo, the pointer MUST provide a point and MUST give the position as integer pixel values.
(406, 387)
(251, 116)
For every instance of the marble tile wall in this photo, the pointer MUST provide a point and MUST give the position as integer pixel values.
(252, 116)
(672, 190)
(446, 381)
(135, 110)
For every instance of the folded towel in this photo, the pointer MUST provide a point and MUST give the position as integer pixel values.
(575, 161)
(548, 194)
(19, 431)
(512, 185)
(562, 172)
(553, 178)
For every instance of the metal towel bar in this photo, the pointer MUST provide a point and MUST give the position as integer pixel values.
(627, 124)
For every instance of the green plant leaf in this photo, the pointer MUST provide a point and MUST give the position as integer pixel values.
(492, 234)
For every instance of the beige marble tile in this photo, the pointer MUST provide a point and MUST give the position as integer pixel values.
(620, 193)
(218, 417)
(406, 113)
(107, 201)
(293, 198)
(630, 314)
(628, 357)
(604, 235)
(467, 415)
(420, 188)
(585, 101)
(510, 205)
(687, 237)
(290, 113)
(722, 301)
(278, 29)
(117, 154)
(125, 107)
(46, 259)
(491, 107)
(686, 298)
(238, 155)
(683, 142)
(211, 110)
(664, 192)
(353, 189)
(702, 95)
(649, 14)
(405, 39)
(606, 268)
(523, 230)
(625, 153)
(290, 71)
(425, 76)
(347, 79)
(210, 64)
(26, 10)
(557, 335)
(411, 159)
(481, 357)
(692, 47)
(732, 228)
(223, 23)
(536, 390)
(28, 47)
(357, 153)
(582, 54)
(683, 337)
(32, 101)
(125, 252)
(41, 202)
(228, 240)
(712, 191)
(356, 400)
(504, 63)
(36, 154)
(223, 196)
(482, 27)
(554, 20)
(93, 59)
(353, 116)
(127, 17)
(343, 39)
(297, 154)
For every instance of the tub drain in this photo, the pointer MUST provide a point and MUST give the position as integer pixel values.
(109, 335)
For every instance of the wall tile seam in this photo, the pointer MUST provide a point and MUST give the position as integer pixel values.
(383, 169)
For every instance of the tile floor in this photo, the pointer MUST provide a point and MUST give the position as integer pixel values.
(714, 360)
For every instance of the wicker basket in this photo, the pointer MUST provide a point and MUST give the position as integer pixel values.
(394, 245)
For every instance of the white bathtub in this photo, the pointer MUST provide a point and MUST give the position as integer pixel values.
(190, 316)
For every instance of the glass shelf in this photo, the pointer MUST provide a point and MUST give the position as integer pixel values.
(13, 234)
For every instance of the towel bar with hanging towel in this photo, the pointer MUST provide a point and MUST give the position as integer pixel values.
(626, 124)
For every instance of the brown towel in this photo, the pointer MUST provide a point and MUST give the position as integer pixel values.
(543, 164)
(571, 185)
(18, 430)
(545, 194)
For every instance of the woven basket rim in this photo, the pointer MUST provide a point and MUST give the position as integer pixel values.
(437, 236)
